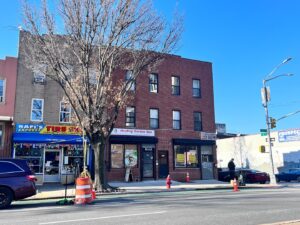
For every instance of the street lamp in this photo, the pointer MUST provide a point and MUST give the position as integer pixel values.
(266, 99)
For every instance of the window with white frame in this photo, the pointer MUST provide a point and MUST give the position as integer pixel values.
(64, 112)
(175, 80)
(196, 88)
(176, 120)
(154, 120)
(37, 107)
(2, 91)
(129, 79)
(130, 117)
(153, 83)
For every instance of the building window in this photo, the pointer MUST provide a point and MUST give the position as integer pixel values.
(153, 83)
(154, 119)
(186, 156)
(196, 88)
(1, 134)
(37, 107)
(2, 91)
(197, 121)
(175, 85)
(123, 156)
(64, 112)
(129, 80)
(176, 120)
(130, 116)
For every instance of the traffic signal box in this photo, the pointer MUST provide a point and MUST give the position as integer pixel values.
(262, 149)
(272, 122)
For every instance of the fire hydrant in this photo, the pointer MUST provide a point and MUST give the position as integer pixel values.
(168, 182)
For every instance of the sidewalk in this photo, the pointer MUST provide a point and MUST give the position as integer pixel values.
(50, 191)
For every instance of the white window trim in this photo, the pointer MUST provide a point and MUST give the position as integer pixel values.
(61, 111)
(4, 90)
(32, 109)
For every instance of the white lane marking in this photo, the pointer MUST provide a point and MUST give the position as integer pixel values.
(33, 209)
(103, 217)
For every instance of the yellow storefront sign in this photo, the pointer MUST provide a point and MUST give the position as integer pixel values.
(180, 158)
(56, 129)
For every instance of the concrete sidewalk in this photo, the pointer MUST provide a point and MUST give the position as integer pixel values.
(52, 191)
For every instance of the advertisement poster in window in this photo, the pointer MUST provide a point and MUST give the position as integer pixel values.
(117, 156)
(130, 155)
(180, 158)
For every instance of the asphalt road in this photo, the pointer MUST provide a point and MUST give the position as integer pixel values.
(256, 206)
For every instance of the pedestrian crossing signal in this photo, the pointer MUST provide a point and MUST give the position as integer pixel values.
(262, 149)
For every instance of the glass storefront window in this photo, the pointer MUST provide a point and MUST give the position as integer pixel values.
(117, 152)
(179, 156)
(186, 156)
(123, 156)
(34, 155)
(192, 156)
(130, 155)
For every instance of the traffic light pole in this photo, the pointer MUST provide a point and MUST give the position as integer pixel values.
(265, 104)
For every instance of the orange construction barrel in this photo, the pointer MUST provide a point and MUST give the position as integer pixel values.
(83, 194)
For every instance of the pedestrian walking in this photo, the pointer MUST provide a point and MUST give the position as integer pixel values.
(231, 167)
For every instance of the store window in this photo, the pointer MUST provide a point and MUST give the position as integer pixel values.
(175, 85)
(117, 156)
(154, 119)
(197, 121)
(2, 91)
(153, 83)
(123, 156)
(129, 79)
(34, 155)
(130, 117)
(176, 120)
(37, 107)
(64, 112)
(186, 156)
(72, 159)
(196, 88)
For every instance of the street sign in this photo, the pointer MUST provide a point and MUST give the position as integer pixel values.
(272, 139)
(263, 132)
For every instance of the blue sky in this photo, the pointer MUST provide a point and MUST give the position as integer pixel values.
(244, 39)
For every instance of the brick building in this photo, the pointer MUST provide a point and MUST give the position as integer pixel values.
(8, 76)
(168, 128)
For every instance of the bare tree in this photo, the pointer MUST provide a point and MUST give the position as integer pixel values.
(84, 45)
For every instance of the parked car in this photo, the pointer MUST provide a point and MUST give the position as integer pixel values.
(292, 174)
(16, 181)
(249, 176)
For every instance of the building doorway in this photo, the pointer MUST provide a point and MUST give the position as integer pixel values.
(163, 164)
(52, 164)
(207, 162)
(148, 161)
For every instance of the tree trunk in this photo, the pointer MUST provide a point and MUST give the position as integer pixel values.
(100, 181)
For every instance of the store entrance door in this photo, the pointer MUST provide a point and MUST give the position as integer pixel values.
(52, 166)
(207, 163)
(148, 161)
(163, 164)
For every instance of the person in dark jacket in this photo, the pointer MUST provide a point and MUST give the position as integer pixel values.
(231, 167)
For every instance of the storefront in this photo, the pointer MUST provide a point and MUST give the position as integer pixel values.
(132, 154)
(54, 153)
(196, 156)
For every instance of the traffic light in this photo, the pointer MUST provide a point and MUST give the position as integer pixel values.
(262, 149)
(273, 122)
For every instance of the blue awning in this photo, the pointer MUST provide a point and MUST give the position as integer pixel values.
(46, 138)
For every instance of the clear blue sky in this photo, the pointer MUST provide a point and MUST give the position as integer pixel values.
(244, 39)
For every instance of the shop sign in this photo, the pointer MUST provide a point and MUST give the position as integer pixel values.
(133, 132)
(289, 135)
(29, 128)
(208, 136)
(54, 129)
